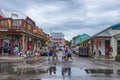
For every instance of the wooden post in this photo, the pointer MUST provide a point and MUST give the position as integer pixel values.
(97, 45)
(35, 44)
(23, 43)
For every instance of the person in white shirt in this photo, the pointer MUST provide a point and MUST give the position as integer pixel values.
(69, 54)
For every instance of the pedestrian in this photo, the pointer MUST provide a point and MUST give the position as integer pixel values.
(110, 53)
(29, 49)
(50, 53)
(37, 54)
(69, 54)
(106, 53)
(16, 50)
(0, 51)
(55, 54)
(9, 50)
(63, 53)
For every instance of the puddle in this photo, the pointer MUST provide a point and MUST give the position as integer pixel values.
(99, 71)
(54, 71)
(66, 71)
(80, 72)
(11, 68)
(7, 68)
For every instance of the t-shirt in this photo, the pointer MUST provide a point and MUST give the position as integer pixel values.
(16, 48)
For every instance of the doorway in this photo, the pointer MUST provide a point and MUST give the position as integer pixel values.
(107, 44)
(5, 45)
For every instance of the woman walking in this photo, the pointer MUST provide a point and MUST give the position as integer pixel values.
(37, 54)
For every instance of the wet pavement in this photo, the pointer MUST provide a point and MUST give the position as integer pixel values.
(81, 68)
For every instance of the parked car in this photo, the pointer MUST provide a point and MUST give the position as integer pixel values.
(83, 51)
(75, 50)
(44, 51)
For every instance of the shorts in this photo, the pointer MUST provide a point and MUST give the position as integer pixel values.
(50, 54)
(68, 55)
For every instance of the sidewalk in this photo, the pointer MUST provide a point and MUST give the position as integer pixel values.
(19, 59)
(102, 58)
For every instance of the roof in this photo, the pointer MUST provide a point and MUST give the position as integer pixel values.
(116, 26)
(81, 38)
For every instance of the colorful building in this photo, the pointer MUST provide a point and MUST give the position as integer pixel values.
(81, 38)
(21, 31)
(58, 38)
(105, 40)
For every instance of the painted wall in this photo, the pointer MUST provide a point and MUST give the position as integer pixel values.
(102, 46)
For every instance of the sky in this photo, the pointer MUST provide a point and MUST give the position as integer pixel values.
(71, 17)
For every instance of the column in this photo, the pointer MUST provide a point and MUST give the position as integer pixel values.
(35, 45)
(114, 46)
(0, 41)
(97, 47)
(23, 43)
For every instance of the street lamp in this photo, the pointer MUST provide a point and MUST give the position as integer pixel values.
(52, 29)
(51, 37)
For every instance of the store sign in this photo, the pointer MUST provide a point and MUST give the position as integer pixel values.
(30, 21)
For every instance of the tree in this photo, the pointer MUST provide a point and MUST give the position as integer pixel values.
(68, 43)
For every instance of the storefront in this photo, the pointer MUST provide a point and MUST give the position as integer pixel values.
(20, 37)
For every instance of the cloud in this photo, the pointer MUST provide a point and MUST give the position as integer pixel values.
(72, 17)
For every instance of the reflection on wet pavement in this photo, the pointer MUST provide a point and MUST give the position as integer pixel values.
(52, 70)
(100, 71)
(52, 73)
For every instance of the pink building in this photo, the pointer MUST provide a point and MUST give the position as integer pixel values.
(58, 38)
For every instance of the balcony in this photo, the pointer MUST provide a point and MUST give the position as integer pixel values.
(20, 25)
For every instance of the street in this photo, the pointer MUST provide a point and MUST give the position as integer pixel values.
(81, 68)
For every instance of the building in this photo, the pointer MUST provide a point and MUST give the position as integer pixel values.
(58, 38)
(19, 30)
(81, 38)
(105, 40)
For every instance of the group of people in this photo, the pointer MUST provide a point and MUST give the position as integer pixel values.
(66, 53)
(53, 53)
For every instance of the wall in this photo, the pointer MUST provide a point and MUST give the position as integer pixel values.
(102, 46)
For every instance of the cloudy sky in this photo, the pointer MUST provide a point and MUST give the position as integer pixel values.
(71, 17)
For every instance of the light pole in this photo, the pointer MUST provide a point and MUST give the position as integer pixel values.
(51, 37)
(52, 29)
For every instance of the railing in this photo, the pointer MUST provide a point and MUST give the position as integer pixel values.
(16, 24)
